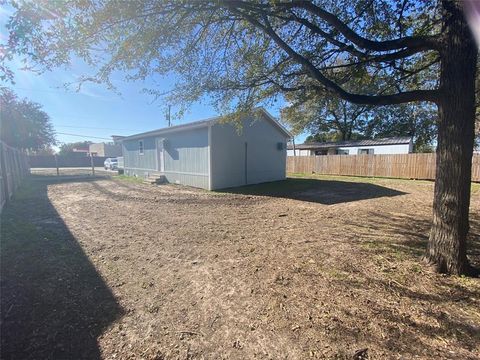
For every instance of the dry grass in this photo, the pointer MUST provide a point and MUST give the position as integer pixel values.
(307, 268)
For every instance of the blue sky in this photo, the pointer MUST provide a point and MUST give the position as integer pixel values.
(94, 111)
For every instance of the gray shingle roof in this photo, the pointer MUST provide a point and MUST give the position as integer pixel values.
(352, 143)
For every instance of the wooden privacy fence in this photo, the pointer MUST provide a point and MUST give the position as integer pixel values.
(53, 161)
(13, 168)
(403, 166)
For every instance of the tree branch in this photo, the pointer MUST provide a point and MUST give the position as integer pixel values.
(418, 42)
(399, 98)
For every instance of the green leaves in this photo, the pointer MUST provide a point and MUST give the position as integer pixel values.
(227, 51)
(24, 124)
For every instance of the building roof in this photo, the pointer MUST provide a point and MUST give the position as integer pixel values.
(204, 123)
(352, 143)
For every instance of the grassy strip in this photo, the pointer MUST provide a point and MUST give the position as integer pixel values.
(127, 178)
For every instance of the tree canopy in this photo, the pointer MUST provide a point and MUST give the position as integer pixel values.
(24, 124)
(242, 52)
(333, 119)
(320, 113)
(416, 121)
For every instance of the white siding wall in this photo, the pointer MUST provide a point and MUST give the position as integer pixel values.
(186, 157)
(136, 163)
(353, 150)
(213, 157)
(380, 149)
(300, 152)
(264, 160)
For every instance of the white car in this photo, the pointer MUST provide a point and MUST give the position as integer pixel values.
(110, 164)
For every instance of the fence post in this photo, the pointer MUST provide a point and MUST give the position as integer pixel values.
(91, 163)
(3, 166)
(56, 165)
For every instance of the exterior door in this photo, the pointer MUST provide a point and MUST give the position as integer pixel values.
(160, 157)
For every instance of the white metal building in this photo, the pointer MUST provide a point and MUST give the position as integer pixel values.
(210, 154)
(396, 145)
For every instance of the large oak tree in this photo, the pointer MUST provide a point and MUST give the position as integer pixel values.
(247, 52)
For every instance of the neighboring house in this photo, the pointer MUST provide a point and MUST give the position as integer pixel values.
(397, 145)
(105, 150)
(117, 139)
(210, 154)
(81, 150)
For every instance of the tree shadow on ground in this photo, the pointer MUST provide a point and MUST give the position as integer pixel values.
(327, 192)
(436, 316)
(442, 304)
(415, 231)
(410, 333)
(54, 304)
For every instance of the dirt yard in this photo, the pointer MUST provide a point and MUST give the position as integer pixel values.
(304, 269)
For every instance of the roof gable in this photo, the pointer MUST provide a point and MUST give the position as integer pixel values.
(274, 122)
(207, 122)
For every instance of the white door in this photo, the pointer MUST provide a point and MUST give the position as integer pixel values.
(160, 159)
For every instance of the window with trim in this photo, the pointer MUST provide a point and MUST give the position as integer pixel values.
(140, 147)
(341, 152)
(365, 151)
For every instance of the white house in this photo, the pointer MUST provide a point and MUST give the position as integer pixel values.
(105, 149)
(211, 154)
(396, 145)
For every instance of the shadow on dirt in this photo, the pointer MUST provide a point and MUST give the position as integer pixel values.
(410, 335)
(403, 332)
(54, 303)
(415, 232)
(327, 192)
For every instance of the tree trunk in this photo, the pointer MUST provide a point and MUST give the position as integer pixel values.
(447, 247)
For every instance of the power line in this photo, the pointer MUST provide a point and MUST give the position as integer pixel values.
(93, 127)
(84, 136)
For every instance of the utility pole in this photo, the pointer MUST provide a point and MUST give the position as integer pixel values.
(56, 165)
(168, 116)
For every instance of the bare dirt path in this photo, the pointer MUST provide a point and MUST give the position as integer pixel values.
(320, 271)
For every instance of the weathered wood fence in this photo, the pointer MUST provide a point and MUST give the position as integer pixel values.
(403, 166)
(13, 168)
(52, 161)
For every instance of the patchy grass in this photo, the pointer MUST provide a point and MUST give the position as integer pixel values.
(132, 179)
(306, 268)
(273, 188)
(364, 179)
(475, 188)
(475, 185)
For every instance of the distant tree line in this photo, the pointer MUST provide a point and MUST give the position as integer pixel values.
(68, 149)
(333, 119)
(24, 124)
